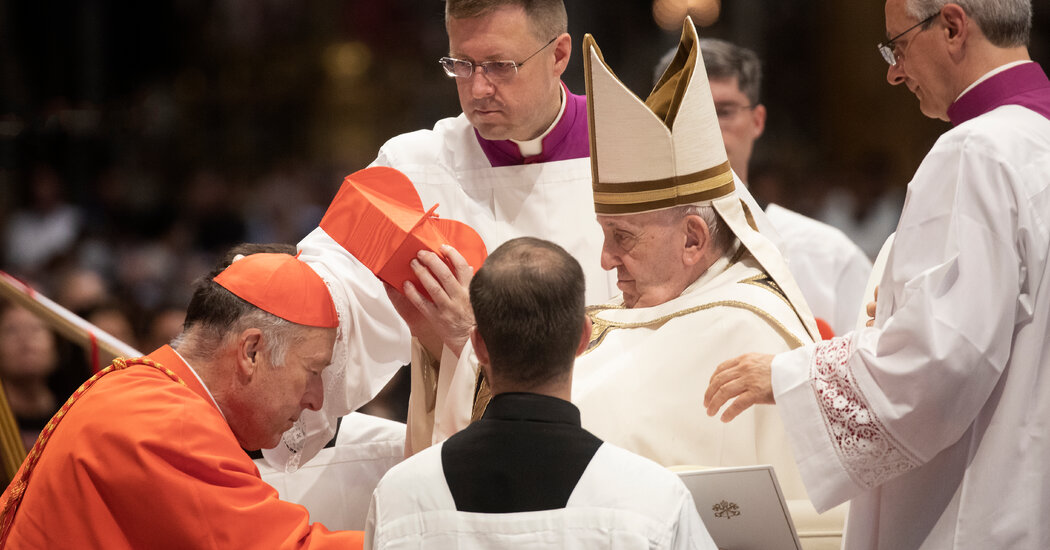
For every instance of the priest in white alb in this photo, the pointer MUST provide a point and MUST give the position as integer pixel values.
(933, 422)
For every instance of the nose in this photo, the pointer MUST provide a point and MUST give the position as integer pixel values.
(313, 399)
(610, 260)
(480, 85)
(895, 74)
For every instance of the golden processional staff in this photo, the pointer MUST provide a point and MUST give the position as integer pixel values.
(102, 346)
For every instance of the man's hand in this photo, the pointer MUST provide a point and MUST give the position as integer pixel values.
(447, 309)
(870, 309)
(417, 323)
(745, 378)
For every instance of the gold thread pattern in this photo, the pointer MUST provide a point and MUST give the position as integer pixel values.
(600, 328)
(19, 485)
(711, 188)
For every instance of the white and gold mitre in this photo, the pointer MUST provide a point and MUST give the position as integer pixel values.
(663, 152)
(667, 151)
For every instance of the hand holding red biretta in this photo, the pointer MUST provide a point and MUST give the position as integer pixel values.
(379, 218)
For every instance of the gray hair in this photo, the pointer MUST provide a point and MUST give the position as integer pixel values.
(1006, 23)
(720, 234)
(725, 60)
(225, 316)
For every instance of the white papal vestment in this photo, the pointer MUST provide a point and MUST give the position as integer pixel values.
(641, 385)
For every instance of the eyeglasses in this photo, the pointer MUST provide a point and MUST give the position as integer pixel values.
(887, 48)
(494, 70)
(726, 113)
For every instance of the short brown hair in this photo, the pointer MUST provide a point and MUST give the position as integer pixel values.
(528, 302)
(548, 17)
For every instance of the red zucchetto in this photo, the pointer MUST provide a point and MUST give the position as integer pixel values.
(282, 285)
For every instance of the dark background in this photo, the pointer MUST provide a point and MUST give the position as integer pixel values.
(169, 130)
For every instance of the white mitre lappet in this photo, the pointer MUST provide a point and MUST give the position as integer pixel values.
(667, 151)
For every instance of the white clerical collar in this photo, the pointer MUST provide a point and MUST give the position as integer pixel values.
(203, 385)
(992, 73)
(534, 146)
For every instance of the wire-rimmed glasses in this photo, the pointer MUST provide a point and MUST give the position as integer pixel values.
(494, 70)
(886, 48)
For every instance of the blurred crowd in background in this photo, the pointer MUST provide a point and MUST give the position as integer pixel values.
(140, 140)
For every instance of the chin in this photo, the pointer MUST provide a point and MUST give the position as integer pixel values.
(490, 128)
(931, 111)
(270, 444)
(493, 134)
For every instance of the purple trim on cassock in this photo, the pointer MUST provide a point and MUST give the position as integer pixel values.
(568, 139)
(1025, 85)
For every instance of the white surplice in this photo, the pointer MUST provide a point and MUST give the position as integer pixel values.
(935, 421)
(621, 501)
(337, 484)
(548, 200)
(831, 271)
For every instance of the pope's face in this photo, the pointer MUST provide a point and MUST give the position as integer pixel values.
(278, 394)
(646, 252)
(519, 108)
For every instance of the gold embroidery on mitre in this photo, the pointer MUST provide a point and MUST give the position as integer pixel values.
(619, 198)
(665, 102)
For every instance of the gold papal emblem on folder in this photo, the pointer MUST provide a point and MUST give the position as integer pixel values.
(725, 509)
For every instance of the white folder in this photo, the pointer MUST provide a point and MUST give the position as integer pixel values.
(742, 507)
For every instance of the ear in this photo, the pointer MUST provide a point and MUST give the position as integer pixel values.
(479, 346)
(758, 120)
(249, 351)
(482, 353)
(562, 51)
(585, 336)
(956, 27)
(697, 239)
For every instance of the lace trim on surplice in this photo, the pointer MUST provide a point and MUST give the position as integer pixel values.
(869, 453)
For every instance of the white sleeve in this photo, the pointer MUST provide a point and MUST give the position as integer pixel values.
(370, 525)
(373, 342)
(881, 401)
(849, 289)
(877, 269)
